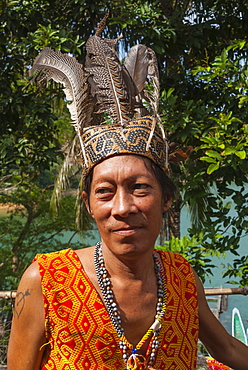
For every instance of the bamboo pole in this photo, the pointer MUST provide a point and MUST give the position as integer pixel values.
(208, 291)
(8, 294)
(226, 291)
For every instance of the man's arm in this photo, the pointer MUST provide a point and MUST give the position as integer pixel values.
(221, 345)
(28, 326)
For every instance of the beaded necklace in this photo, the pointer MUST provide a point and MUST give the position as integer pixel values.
(133, 360)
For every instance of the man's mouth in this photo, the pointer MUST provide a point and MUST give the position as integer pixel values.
(126, 231)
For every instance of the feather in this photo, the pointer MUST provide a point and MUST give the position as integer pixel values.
(177, 154)
(62, 68)
(62, 180)
(107, 78)
(102, 25)
(81, 213)
(152, 95)
(136, 62)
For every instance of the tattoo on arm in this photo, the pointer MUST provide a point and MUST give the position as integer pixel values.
(20, 302)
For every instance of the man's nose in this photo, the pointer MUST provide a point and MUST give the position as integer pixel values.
(123, 204)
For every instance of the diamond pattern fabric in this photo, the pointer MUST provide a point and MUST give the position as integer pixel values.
(80, 334)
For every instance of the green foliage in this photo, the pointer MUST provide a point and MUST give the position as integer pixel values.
(6, 309)
(226, 141)
(150, 26)
(239, 270)
(29, 228)
(46, 36)
(215, 124)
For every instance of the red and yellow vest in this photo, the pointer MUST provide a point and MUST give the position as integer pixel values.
(80, 332)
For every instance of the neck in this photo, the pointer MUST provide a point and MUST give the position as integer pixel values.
(140, 267)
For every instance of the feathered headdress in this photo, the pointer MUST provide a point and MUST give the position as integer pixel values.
(113, 108)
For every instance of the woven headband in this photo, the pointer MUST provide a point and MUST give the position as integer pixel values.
(101, 142)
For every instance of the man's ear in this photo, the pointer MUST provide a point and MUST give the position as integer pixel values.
(168, 204)
(85, 197)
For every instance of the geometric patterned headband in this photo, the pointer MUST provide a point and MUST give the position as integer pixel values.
(101, 142)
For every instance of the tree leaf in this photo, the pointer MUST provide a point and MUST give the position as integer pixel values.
(214, 154)
(241, 154)
(213, 167)
(208, 159)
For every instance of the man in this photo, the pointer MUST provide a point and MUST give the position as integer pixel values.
(119, 304)
(127, 203)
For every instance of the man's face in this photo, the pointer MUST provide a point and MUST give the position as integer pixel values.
(127, 204)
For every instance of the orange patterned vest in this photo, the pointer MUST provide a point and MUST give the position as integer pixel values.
(80, 332)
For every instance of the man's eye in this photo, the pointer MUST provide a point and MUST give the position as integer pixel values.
(103, 191)
(140, 186)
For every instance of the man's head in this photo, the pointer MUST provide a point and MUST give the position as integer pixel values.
(127, 201)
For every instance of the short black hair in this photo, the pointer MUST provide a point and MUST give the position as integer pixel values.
(168, 187)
